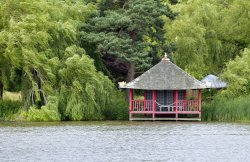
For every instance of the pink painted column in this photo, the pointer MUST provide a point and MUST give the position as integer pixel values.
(176, 102)
(154, 103)
(131, 97)
(185, 100)
(145, 102)
(199, 99)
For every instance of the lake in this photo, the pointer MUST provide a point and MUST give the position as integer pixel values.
(124, 141)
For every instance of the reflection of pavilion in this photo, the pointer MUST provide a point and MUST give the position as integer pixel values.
(169, 94)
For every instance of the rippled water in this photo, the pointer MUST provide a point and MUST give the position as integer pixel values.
(124, 141)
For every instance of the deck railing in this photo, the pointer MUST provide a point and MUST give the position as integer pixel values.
(142, 105)
(180, 105)
(188, 105)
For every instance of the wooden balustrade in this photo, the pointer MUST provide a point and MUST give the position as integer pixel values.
(188, 105)
(142, 105)
(182, 105)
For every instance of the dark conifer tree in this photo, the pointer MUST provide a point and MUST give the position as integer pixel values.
(126, 35)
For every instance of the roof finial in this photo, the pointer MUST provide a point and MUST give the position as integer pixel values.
(165, 58)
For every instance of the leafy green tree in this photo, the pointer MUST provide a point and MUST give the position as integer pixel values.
(40, 39)
(84, 93)
(208, 33)
(34, 37)
(237, 74)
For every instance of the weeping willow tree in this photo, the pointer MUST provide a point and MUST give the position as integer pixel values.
(58, 80)
(84, 93)
(33, 38)
(208, 33)
(194, 34)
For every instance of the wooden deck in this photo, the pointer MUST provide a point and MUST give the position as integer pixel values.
(165, 119)
(165, 112)
(165, 116)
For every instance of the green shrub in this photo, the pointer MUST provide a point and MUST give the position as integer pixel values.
(237, 75)
(46, 113)
(223, 109)
(8, 108)
(118, 109)
(43, 114)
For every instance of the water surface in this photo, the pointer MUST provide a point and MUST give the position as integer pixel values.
(124, 141)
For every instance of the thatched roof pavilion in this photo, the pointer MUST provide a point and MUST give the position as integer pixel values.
(166, 97)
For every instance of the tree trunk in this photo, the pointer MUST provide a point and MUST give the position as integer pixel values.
(131, 72)
(130, 77)
(133, 36)
(40, 90)
(1, 86)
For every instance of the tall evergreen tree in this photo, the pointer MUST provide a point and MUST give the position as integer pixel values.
(129, 31)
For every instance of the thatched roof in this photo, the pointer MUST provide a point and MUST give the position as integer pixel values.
(213, 81)
(165, 76)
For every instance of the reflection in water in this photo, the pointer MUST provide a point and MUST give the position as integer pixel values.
(124, 141)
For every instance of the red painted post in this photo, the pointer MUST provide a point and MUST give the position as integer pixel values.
(154, 103)
(176, 103)
(131, 97)
(199, 99)
(176, 99)
(145, 98)
(185, 100)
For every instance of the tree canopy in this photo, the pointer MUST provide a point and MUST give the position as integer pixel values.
(40, 39)
(207, 34)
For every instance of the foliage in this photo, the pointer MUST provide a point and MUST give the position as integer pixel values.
(129, 30)
(84, 92)
(237, 74)
(8, 108)
(46, 113)
(33, 39)
(118, 110)
(223, 109)
(208, 33)
(58, 80)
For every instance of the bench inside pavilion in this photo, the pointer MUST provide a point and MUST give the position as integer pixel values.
(169, 93)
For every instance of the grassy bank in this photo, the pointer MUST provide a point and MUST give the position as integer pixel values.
(13, 96)
(228, 110)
